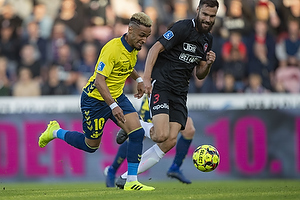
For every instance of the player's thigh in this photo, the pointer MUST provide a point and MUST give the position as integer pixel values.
(178, 111)
(132, 122)
(189, 131)
(159, 108)
(131, 116)
(161, 126)
(95, 114)
(93, 125)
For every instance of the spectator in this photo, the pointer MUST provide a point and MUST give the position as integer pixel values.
(22, 8)
(288, 48)
(52, 7)
(72, 16)
(287, 76)
(60, 36)
(25, 85)
(261, 65)
(216, 71)
(229, 84)
(288, 9)
(234, 54)
(119, 28)
(265, 11)
(88, 61)
(180, 10)
(42, 19)
(235, 19)
(33, 38)
(4, 78)
(9, 18)
(164, 10)
(53, 85)
(9, 45)
(29, 59)
(234, 42)
(287, 79)
(68, 66)
(103, 33)
(261, 54)
(96, 11)
(255, 85)
(80, 23)
(87, 37)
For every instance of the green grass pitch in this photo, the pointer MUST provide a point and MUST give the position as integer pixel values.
(206, 190)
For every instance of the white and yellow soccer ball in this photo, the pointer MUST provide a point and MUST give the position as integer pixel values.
(206, 158)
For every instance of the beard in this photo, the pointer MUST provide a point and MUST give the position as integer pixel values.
(199, 26)
(138, 48)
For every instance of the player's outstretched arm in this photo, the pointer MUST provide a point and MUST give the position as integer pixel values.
(105, 93)
(140, 84)
(150, 61)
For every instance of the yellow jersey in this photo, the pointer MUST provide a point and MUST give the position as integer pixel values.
(116, 62)
(144, 110)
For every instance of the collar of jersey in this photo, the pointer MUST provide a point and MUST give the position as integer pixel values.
(126, 45)
(194, 23)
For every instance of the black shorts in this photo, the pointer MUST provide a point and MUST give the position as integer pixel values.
(162, 100)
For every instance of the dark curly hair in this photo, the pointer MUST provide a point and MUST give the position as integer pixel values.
(209, 3)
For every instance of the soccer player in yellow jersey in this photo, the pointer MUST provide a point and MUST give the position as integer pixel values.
(103, 98)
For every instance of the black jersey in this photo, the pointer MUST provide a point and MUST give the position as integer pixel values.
(184, 47)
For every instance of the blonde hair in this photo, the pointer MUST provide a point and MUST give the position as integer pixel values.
(141, 18)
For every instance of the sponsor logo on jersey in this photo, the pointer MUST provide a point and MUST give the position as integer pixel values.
(205, 46)
(189, 58)
(168, 35)
(101, 66)
(160, 106)
(189, 47)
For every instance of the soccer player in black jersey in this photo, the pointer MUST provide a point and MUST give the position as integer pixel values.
(169, 66)
(182, 148)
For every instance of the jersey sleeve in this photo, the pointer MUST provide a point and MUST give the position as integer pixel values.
(210, 41)
(175, 35)
(106, 60)
(209, 45)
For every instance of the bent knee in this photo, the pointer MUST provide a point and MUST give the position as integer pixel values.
(159, 139)
(91, 145)
(91, 149)
(158, 136)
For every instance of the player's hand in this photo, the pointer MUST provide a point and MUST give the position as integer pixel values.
(210, 57)
(118, 114)
(140, 90)
(148, 85)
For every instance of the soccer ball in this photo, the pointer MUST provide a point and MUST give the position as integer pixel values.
(206, 158)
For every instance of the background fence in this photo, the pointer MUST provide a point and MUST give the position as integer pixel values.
(258, 136)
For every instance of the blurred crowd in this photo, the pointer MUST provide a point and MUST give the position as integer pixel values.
(51, 47)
